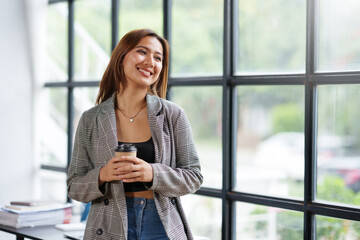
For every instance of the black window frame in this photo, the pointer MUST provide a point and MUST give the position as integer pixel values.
(229, 81)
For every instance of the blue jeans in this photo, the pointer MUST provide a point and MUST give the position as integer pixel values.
(143, 220)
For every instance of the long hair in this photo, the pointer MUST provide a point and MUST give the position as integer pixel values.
(113, 79)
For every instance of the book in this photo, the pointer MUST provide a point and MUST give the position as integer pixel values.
(33, 216)
(35, 208)
(31, 203)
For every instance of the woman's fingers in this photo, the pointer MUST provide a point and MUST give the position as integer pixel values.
(112, 169)
(128, 169)
(132, 176)
(140, 173)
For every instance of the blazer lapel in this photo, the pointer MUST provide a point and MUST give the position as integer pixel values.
(107, 130)
(156, 122)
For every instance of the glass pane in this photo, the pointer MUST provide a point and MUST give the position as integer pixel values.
(140, 14)
(204, 216)
(338, 144)
(271, 36)
(92, 38)
(334, 228)
(52, 120)
(197, 38)
(205, 120)
(52, 186)
(57, 43)
(84, 99)
(270, 140)
(338, 31)
(260, 222)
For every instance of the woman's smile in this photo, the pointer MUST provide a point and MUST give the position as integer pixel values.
(145, 72)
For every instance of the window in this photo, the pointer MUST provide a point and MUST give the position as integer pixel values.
(271, 89)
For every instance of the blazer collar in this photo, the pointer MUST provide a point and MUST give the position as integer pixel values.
(108, 105)
(153, 105)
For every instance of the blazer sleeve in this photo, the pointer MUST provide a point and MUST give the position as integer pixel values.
(186, 177)
(83, 178)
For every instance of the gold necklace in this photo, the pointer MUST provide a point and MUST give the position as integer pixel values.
(132, 119)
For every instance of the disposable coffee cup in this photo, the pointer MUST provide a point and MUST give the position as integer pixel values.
(125, 149)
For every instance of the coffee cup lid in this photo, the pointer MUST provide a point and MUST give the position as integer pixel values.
(125, 147)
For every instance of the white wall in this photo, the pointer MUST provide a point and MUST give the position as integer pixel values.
(16, 104)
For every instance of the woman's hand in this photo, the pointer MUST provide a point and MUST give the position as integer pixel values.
(139, 171)
(112, 170)
(127, 169)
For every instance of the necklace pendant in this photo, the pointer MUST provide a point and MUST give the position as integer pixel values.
(131, 120)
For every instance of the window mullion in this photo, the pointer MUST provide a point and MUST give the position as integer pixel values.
(228, 206)
(70, 77)
(310, 125)
(114, 23)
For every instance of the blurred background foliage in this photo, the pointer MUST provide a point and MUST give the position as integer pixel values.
(284, 103)
(287, 117)
(267, 39)
(140, 14)
(197, 38)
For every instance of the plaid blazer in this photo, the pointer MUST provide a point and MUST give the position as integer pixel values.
(176, 169)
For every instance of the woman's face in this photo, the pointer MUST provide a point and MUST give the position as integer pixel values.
(143, 64)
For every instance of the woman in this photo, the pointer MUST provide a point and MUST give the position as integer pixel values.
(139, 200)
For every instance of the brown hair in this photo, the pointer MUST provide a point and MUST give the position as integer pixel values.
(113, 79)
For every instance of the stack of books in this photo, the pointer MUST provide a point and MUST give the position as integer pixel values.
(35, 213)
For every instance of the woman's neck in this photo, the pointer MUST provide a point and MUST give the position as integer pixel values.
(130, 101)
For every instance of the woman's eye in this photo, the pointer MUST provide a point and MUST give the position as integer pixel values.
(158, 59)
(141, 51)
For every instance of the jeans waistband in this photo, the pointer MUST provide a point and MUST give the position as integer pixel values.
(146, 203)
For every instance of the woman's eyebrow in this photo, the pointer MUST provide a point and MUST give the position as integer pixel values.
(140, 46)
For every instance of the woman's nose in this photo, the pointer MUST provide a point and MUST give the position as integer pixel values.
(149, 60)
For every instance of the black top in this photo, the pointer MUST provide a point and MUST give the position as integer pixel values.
(145, 151)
